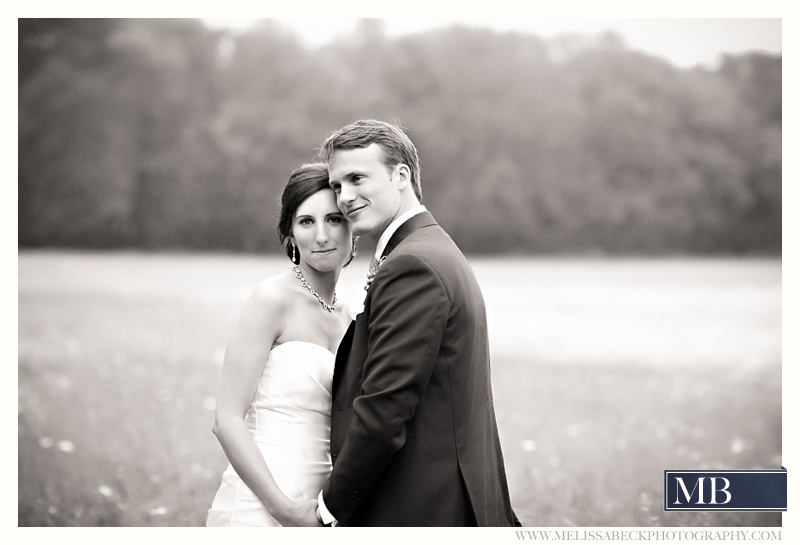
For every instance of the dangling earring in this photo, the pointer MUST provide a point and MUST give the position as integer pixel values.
(354, 251)
(294, 253)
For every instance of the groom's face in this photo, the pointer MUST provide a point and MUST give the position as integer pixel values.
(367, 191)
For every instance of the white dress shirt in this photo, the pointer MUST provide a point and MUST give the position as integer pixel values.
(383, 240)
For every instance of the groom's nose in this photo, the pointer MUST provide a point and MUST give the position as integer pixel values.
(346, 195)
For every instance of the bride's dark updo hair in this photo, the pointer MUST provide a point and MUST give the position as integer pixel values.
(303, 182)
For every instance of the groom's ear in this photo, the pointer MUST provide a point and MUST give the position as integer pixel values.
(402, 174)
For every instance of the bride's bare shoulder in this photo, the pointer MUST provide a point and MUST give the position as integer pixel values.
(274, 292)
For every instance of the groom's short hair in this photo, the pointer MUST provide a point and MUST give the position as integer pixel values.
(396, 145)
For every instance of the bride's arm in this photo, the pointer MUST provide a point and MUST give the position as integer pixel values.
(247, 351)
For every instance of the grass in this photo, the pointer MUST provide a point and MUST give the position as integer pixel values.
(119, 362)
(590, 447)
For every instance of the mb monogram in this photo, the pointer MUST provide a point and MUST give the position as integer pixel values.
(698, 486)
(730, 490)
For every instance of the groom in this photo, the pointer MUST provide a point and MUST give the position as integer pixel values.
(414, 439)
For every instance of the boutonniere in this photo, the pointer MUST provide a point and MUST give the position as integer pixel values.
(373, 270)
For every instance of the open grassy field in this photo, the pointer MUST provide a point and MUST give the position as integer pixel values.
(606, 373)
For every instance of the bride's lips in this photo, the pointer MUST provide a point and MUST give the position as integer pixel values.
(324, 252)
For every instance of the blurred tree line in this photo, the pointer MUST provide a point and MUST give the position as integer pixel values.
(166, 134)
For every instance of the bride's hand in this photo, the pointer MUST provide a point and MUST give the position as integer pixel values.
(300, 513)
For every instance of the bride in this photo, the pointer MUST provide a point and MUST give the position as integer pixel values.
(273, 409)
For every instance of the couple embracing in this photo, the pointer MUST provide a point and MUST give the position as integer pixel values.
(384, 418)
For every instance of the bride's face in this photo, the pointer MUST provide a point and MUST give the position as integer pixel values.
(322, 234)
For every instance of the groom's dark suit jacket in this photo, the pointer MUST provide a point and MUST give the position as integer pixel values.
(414, 439)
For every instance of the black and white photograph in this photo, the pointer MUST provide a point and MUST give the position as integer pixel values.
(404, 272)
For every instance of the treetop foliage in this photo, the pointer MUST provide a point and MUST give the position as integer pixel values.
(165, 134)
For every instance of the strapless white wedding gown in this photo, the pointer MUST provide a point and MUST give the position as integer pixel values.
(290, 420)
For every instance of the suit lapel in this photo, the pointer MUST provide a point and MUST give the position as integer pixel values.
(342, 354)
(423, 219)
